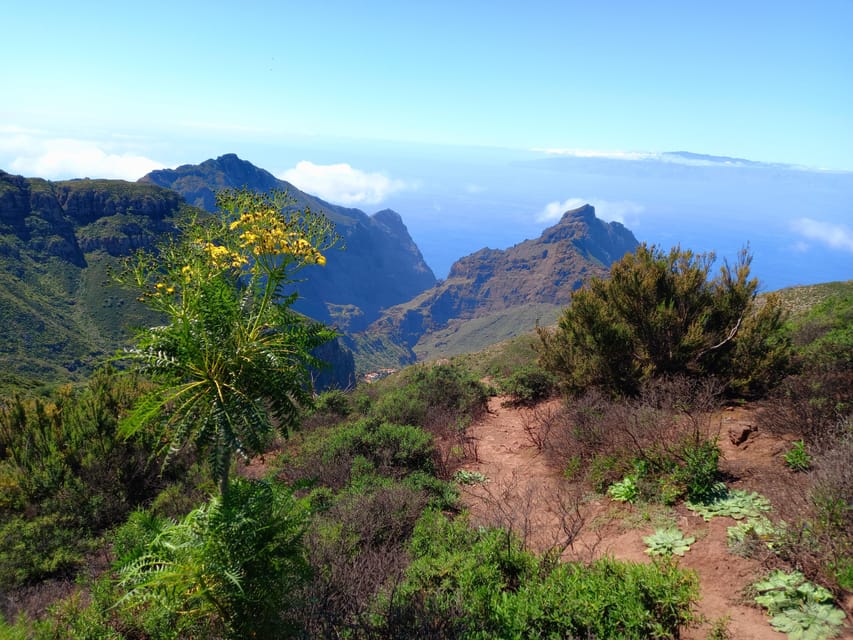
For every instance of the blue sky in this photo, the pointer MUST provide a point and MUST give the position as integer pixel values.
(361, 101)
(769, 81)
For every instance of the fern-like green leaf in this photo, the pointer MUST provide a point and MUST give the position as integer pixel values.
(146, 410)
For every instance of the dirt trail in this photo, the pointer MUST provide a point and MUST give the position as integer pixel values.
(528, 494)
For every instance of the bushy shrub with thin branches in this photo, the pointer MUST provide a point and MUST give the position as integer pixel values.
(481, 583)
(664, 440)
(661, 314)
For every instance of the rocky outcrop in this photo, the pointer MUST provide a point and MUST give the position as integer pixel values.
(545, 270)
(68, 219)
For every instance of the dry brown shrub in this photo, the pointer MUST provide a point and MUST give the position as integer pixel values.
(546, 519)
(538, 422)
(357, 549)
(454, 446)
(665, 413)
(810, 406)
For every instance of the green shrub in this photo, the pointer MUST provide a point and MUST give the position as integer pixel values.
(32, 549)
(660, 314)
(334, 402)
(824, 338)
(441, 495)
(401, 406)
(699, 468)
(433, 396)
(67, 476)
(228, 567)
(612, 599)
(393, 449)
(528, 385)
(449, 386)
(480, 583)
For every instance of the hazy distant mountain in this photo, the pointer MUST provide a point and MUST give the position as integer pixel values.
(504, 285)
(379, 267)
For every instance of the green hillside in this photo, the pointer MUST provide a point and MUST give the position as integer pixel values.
(58, 241)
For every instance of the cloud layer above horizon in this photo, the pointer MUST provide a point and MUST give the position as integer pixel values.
(342, 183)
(35, 153)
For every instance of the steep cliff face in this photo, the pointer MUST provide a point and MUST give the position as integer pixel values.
(379, 267)
(68, 219)
(542, 271)
(31, 214)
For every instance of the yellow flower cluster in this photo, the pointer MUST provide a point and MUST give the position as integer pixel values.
(267, 233)
(161, 287)
(222, 257)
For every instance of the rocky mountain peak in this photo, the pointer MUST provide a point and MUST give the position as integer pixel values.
(585, 212)
(545, 270)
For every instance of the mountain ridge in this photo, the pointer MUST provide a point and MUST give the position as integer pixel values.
(58, 240)
(378, 292)
(540, 271)
(380, 267)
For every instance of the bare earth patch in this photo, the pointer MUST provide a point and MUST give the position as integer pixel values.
(528, 494)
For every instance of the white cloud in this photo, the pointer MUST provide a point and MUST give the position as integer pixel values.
(623, 211)
(594, 153)
(30, 153)
(342, 183)
(836, 236)
(13, 128)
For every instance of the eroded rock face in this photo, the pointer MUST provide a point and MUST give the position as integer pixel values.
(68, 219)
(545, 270)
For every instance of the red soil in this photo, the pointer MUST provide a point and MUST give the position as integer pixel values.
(526, 492)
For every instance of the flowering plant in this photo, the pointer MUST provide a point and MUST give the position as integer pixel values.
(232, 357)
